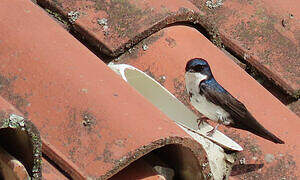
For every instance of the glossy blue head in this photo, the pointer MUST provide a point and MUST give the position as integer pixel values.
(198, 65)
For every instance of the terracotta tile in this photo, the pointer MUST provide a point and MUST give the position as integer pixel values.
(20, 144)
(50, 172)
(113, 26)
(295, 107)
(265, 33)
(138, 170)
(91, 121)
(165, 59)
(11, 168)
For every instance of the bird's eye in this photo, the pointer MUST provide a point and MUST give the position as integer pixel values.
(198, 68)
(192, 70)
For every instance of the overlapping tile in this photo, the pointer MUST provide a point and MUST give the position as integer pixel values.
(92, 122)
(264, 33)
(113, 26)
(164, 59)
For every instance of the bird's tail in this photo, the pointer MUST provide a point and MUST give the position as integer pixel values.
(257, 129)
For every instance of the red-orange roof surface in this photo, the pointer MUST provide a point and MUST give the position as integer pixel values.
(93, 124)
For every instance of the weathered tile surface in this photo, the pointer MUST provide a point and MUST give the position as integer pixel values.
(92, 123)
(113, 26)
(264, 33)
(165, 58)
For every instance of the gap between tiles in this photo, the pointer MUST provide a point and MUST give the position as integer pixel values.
(57, 167)
(270, 85)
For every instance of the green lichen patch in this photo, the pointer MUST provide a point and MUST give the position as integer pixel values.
(7, 92)
(124, 17)
(58, 17)
(259, 30)
(134, 52)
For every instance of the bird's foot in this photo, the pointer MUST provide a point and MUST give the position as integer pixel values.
(200, 120)
(211, 132)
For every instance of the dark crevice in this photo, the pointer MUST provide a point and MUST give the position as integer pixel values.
(245, 168)
(50, 161)
(179, 158)
(197, 26)
(18, 144)
(94, 49)
(172, 161)
(267, 83)
(262, 79)
(106, 58)
(98, 48)
(71, 28)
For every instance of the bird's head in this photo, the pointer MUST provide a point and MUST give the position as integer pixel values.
(198, 65)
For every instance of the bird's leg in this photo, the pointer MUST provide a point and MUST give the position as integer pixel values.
(211, 132)
(200, 120)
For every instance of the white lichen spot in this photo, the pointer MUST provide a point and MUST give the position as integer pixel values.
(145, 47)
(162, 79)
(214, 3)
(16, 121)
(205, 164)
(73, 16)
(84, 90)
(102, 22)
(105, 28)
(243, 161)
(123, 159)
(269, 158)
(22, 123)
(117, 59)
(209, 175)
(229, 158)
(246, 56)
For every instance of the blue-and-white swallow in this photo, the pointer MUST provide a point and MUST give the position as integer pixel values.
(214, 102)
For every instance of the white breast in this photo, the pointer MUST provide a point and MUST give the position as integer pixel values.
(208, 109)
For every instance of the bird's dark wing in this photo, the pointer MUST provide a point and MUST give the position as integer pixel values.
(241, 117)
(224, 99)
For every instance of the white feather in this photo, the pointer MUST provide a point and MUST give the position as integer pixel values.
(208, 109)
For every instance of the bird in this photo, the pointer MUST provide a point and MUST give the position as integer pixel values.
(217, 104)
